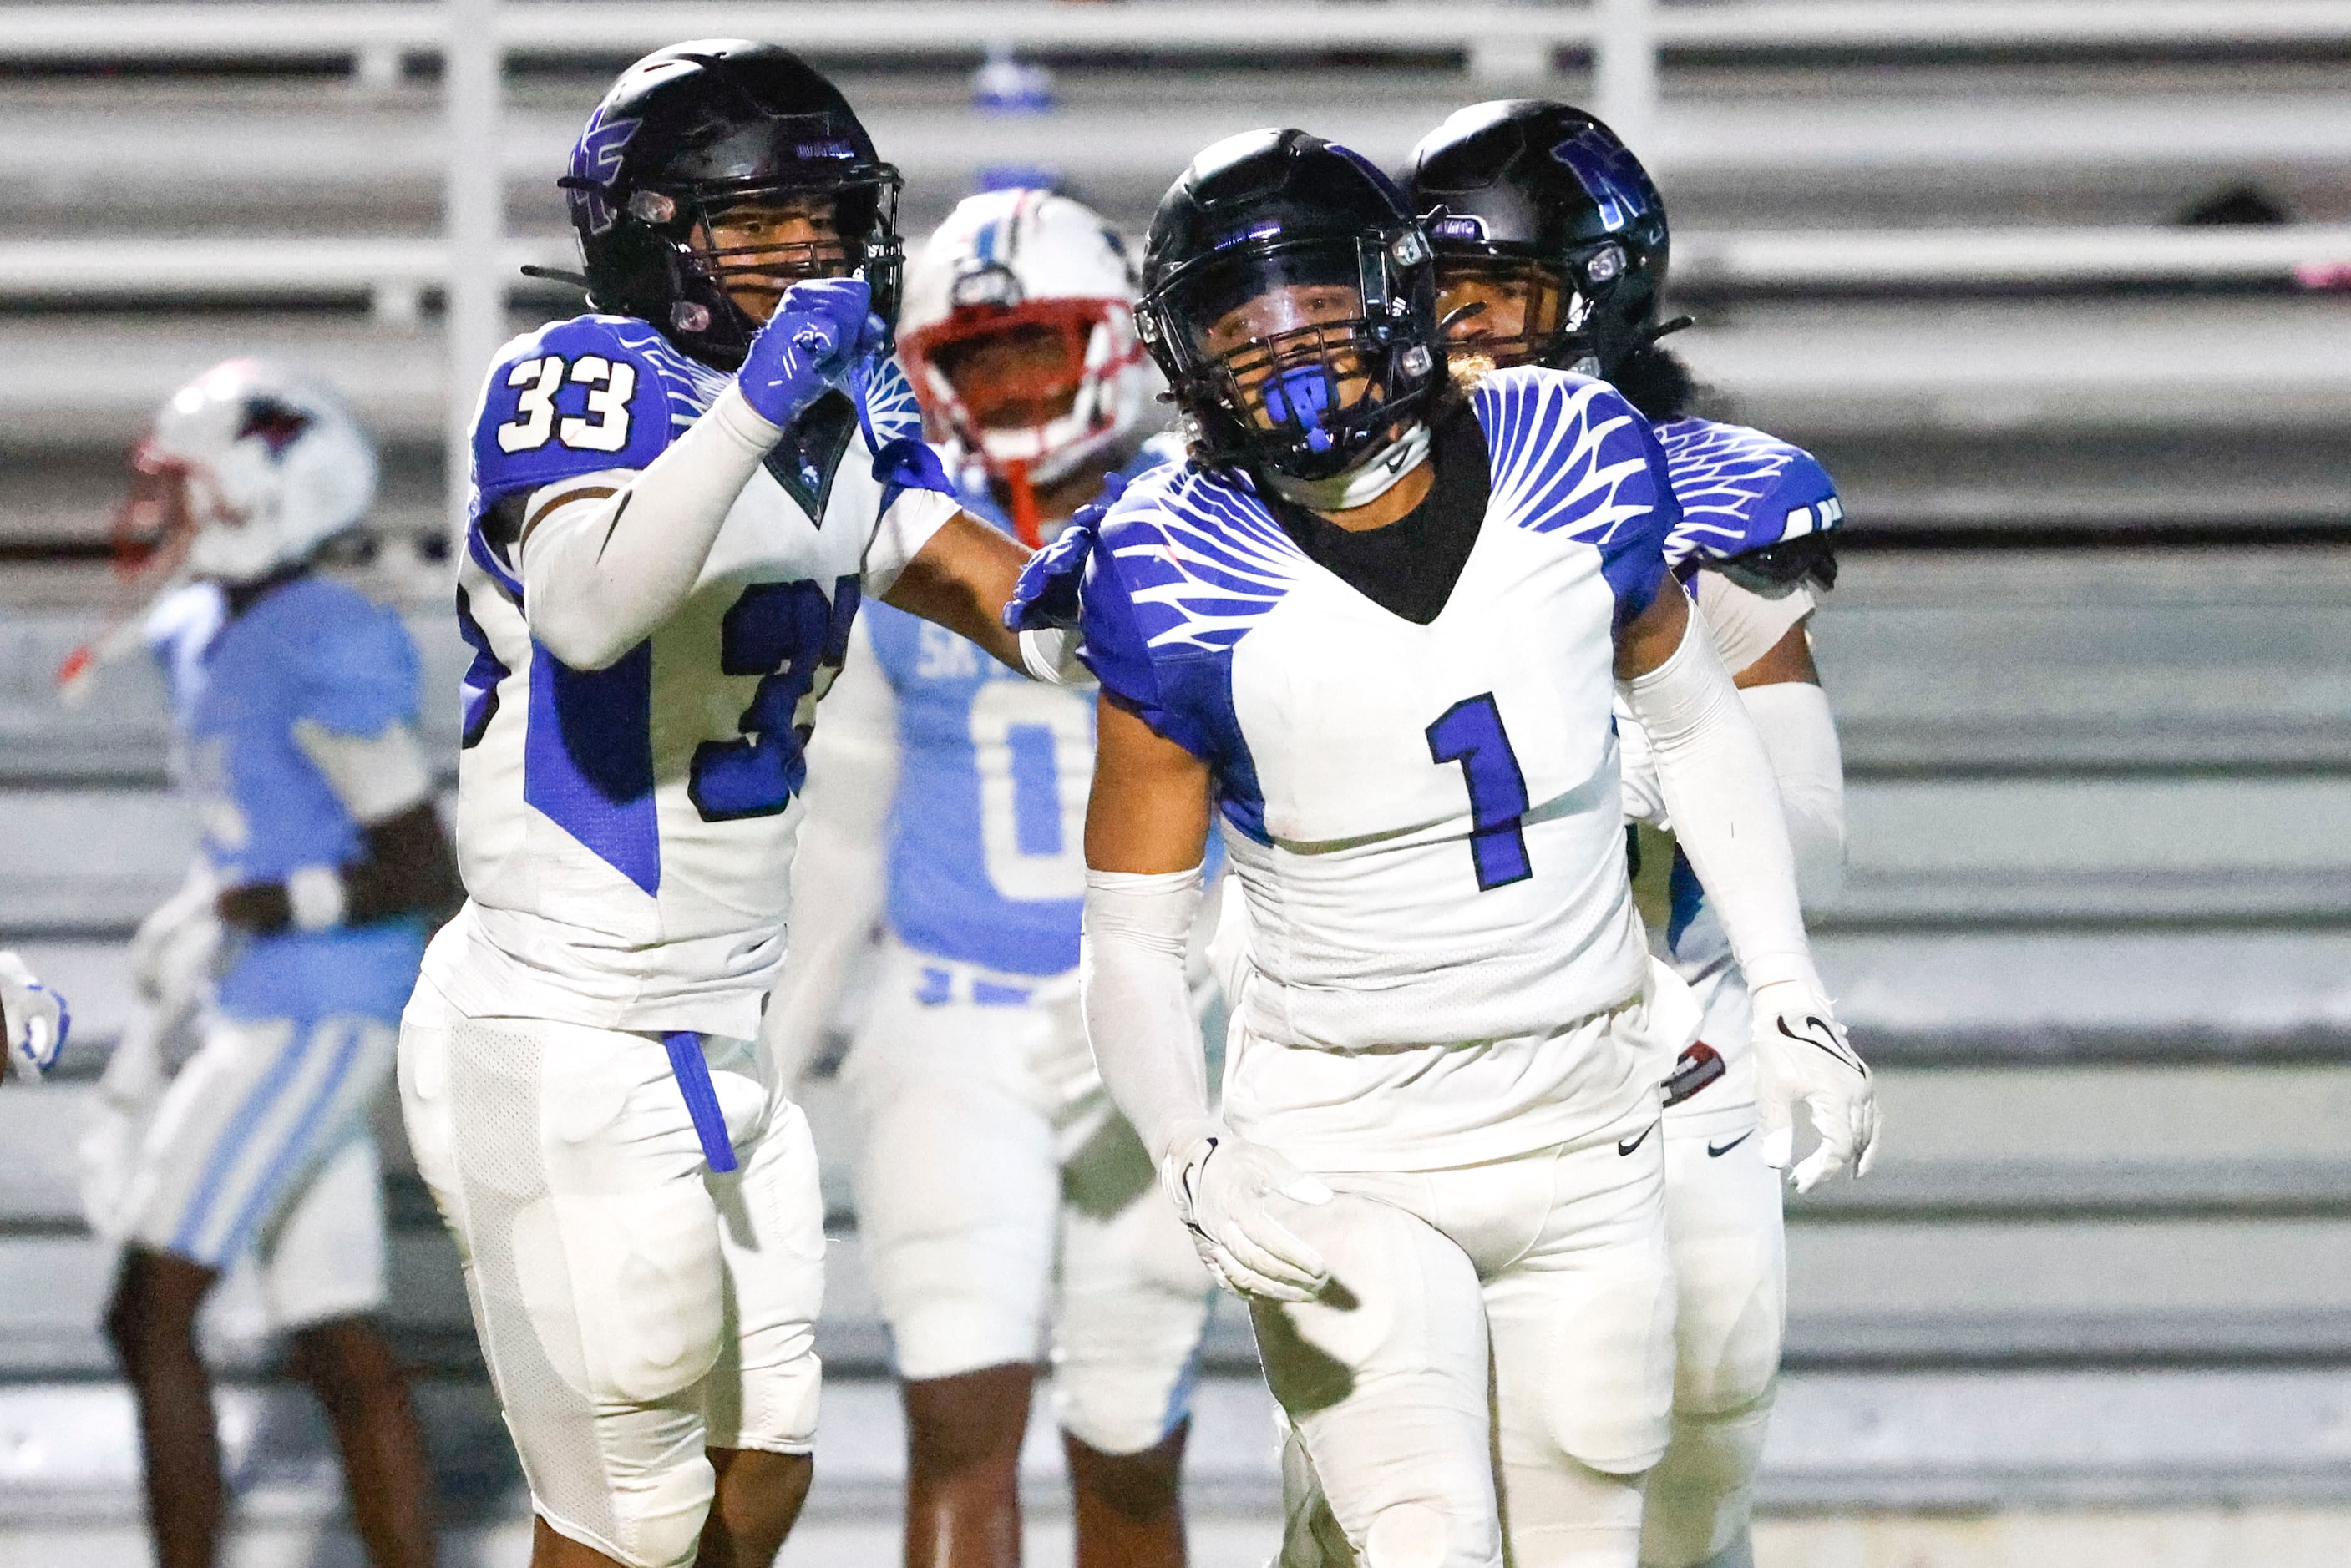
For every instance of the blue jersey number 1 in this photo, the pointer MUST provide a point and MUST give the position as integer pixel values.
(1470, 733)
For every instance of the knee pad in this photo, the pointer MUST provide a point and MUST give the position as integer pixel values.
(654, 1513)
(1700, 1496)
(1422, 1535)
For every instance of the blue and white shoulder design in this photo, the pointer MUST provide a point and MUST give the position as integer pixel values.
(903, 461)
(1568, 453)
(579, 396)
(1742, 491)
(1184, 565)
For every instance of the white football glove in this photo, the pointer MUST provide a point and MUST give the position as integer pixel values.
(1222, 1186)
(1800, 1054)
(172, 953)
(37, 1021)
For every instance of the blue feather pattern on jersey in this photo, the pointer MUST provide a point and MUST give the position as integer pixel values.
(1212, 563)
(1740, 490)
(894, 429)
(1569, 452)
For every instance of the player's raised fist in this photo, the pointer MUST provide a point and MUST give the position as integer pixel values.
(1801, 1056)
(821, 327)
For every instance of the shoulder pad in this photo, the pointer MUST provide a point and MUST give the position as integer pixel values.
(580, 395)
(1742, 491)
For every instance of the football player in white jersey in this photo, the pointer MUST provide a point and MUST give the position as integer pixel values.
(1002, 1203)
(680, 501)
(1551, 249)
(294, 944)
(1379, 625)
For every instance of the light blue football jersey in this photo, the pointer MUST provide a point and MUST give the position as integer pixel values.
(986, 859)
(312, 651)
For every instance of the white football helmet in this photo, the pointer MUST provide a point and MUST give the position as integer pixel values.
(1042, 282)
(250, 467)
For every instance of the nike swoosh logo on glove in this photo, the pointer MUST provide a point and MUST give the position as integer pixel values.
(1825, 1041)
(1627, 1146)
(1714, 1153)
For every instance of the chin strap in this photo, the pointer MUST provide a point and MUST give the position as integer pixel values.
(1364, 484)
(1027, 526)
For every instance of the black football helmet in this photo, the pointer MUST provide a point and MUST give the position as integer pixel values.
(1288, 296)
(1545, 197)
(696, 129)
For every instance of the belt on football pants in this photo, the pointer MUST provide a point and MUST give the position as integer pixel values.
(693, 1075)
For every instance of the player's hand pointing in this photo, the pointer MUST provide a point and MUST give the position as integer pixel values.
(1801, 1055)
(1225, 1189)
(821, 327)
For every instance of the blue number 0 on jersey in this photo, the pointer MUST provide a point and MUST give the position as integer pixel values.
(1470, 733)
(796, 638)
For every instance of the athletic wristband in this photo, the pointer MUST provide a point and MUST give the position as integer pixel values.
(315, 895)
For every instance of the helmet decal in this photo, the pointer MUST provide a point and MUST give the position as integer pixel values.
(278, 425)
(594, 161)
(1608, 172)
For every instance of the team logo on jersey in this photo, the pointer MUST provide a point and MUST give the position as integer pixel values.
(278, 425)
(1609, 175)
(594, 161)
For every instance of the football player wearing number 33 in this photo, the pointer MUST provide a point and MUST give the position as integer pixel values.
(679, 501)
(1379, 623)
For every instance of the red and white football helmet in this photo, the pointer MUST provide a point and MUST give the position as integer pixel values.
(254, 466)
(1019, 334)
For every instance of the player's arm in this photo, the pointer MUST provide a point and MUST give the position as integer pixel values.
(1146, 835)
(405, 865)
(1782, 693)
(607, 556)
(962, 578)
(1717, 781)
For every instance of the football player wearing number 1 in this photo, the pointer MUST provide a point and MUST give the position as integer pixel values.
(1379, 625)
(1002, 1204)
(679, 501)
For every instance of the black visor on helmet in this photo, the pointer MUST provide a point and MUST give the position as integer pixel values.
(1301, 342)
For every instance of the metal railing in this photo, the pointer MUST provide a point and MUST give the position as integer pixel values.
(394, 276)
(1624, 40)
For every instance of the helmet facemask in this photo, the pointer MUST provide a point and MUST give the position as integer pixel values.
(1301, 356)
(1031, 389)
(1501, 307)
(736, 246)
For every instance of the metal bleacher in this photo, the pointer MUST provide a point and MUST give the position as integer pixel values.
(2091, 651)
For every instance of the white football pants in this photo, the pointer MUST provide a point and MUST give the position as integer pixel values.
(1492, 1329)
(635, 1309)
(261, 1145)
(1730, 1282)
(1003, 1205)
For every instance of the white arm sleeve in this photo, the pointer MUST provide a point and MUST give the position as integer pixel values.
(1715, 779)
(376, 777)
(607, 558)
(1746, 625)
(1138, 1009)
(838, 872)
(912, 520)
(1799, 735)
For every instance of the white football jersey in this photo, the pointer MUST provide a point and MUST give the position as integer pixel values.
(626, 834)
(1425, 819)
